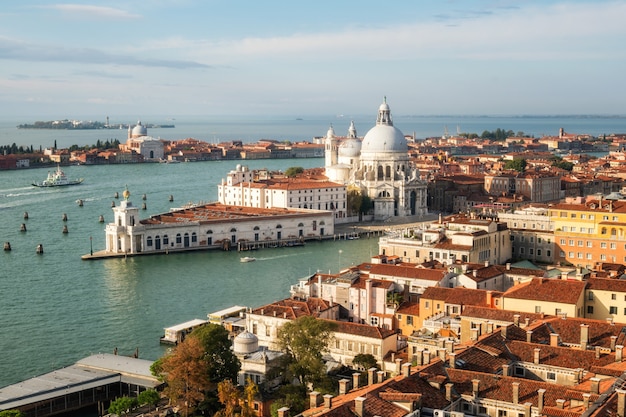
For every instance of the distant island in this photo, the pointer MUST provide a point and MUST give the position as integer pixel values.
(81, 125)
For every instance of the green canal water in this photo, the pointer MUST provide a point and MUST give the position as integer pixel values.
(56, 308)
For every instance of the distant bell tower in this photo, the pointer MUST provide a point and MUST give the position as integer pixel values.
(330, 151)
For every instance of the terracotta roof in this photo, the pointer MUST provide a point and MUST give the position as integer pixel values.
(458, 295)
(402, 271)
(545, 289)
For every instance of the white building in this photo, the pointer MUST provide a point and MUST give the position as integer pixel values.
(210, 226)
(243, 187)
(141, 143)
(379, 166)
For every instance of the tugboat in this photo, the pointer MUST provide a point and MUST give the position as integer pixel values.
(57, 179)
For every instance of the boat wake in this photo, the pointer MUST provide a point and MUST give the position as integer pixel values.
(269, 258)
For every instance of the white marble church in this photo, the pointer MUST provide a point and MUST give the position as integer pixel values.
(379, 166)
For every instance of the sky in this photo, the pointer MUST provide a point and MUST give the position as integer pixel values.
(205, 57)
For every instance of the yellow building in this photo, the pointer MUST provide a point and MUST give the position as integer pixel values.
(589, 232)
(548, 296)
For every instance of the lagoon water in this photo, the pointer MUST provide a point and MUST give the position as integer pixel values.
(56, 308)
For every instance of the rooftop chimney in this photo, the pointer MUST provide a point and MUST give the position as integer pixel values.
(586, 398)
(554, 339)
(516, 319)
(515, 392)
(475, 387)
(598, 352)
(283, 412)
(449, 386)
(370, 376)
(381, 376)
(314, 399)
(328, 401)
(355, 380)
(560, 403)
(452, 360)
(529, 336)
(613, 342)
(359, 406)
(540, 393)
(584, 336)
(537, 351)
(621, 402)
(619, 349)
(343, 386)
(406, 370)
(505, 370)
(595, 385)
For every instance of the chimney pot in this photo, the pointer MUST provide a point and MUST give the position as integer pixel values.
(283, 412)
(619, 350)
(343, 386)
(381, 376)
(355, 380)
(537, 352)
(595, 385)
(406, 369)
(515, 392)
(621, 402)
(540, 394)
(314, 399)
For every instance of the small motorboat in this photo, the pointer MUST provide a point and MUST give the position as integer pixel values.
(247, 259)
(57, 179)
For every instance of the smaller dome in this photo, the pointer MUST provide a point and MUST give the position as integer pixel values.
(140, 130)
(350, 148)
(245, 342)
(331, 132)
(384, 106)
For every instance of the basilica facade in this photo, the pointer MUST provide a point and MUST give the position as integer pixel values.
(378, 166)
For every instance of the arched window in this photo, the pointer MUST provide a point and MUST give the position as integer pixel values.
(179, 239)
(166, 240)
(256, 228)
(603, 231)
(149, 241)
(194, 237)
(300, 224)
(209, 232)
(233, 230)
(278, 226)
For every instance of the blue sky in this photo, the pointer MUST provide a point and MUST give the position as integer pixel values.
(204, 57)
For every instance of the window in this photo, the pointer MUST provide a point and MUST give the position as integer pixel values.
(589, 309)
(613, 246)
(613, 296)
(612, 310)
(519, 371)
(149, 241)
(590, 296)
(409, 320)
(551, 376)
(537, 309)
(603, 245)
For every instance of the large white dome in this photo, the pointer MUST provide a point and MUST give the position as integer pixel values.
(384, 138)
(245, 342)
(139, 130)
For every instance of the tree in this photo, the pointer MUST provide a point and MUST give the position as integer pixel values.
(291, 172)
(292, 396)
(229, 396)
(122, 406)
(517, 164)
(149, 397)
(11, 413)
(365, 361)
(221, 363)
(306, 340)
(187, 373)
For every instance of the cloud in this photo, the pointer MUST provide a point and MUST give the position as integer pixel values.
(89, 11)
(22, 51)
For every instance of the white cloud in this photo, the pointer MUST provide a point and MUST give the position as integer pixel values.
(89, 11)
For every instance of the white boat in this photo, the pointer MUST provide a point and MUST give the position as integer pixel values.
(247, 259)
(57, 179)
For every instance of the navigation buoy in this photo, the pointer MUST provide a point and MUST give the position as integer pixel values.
(39, 249)
(7, 246)
(112, 203)
(80, 203)
(101, 219)
(64, 229)
(171, 197)
(25, 215)
(143, 197)
(143, 206)
(64, 217)
(116, 195)
(23, 227)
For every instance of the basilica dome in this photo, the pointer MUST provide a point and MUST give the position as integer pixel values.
(384, 137)
(139, 130)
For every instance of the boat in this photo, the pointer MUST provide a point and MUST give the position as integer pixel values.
(248, 259)
(57, 179)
